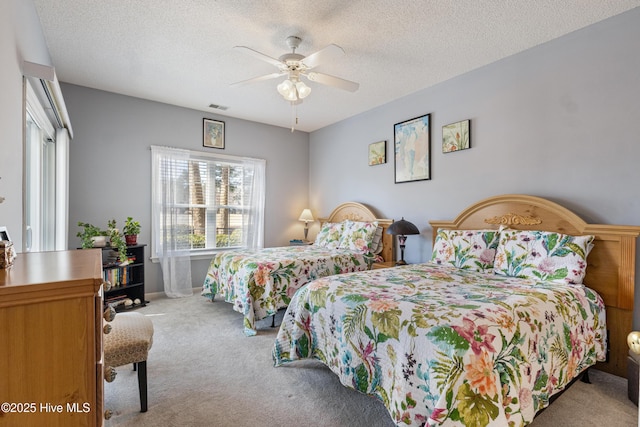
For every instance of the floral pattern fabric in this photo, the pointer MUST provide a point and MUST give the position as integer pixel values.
(543, 255)
(358, 235)
(329, 235)
(468, 249)
(442, 346)
(260, 282)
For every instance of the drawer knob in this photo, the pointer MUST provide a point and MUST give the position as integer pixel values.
(109, 374)
(106, 328)
(109, 314)
(108, 414)
(106, 285)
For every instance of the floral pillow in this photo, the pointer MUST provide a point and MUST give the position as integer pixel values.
(358, 235)
(329, 235)
(466, 249)
(543, 255)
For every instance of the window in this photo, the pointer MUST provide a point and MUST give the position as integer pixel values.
(46, 154)
(204, 202)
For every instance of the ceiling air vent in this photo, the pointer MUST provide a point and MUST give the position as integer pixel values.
(218, 107)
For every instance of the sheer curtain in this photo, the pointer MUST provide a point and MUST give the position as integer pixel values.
(253, 222)
(175, 261)
(186, 208)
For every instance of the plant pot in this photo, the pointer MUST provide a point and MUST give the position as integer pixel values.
(99, 241)
(131, 239)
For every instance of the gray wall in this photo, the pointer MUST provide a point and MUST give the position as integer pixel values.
(560, 121)
(110, 164)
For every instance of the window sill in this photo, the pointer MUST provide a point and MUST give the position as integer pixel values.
(199, 256)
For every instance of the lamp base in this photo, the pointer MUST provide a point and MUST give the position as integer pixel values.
(401, 262)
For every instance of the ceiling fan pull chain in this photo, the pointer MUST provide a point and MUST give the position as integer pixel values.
(294, 119)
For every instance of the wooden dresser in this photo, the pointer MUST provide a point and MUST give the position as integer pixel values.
(51, 354)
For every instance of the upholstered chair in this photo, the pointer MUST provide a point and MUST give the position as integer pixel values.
(129, 341)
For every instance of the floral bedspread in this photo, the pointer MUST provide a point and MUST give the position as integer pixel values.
(445, 346)
(260, 282)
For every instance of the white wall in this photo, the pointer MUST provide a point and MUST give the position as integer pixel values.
(21, 39)
(560, 121)
(110, 164)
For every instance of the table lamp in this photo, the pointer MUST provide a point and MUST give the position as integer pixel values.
(401, 229)
(307, 217)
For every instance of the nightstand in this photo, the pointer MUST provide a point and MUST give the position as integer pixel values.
(377, 265)
(300, 243)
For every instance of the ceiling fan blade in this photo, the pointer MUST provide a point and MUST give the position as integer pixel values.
(327, 54)
(328, 80)
(258, 79)
(261, 56)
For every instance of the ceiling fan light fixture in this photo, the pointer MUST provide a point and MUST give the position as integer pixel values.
(303, 90)
(285, 88)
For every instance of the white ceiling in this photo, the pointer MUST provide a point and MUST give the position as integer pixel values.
(181, 51)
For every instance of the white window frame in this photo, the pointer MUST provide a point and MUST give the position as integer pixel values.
(256, 203)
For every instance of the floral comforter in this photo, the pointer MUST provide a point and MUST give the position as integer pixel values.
(260, 282)
(445, 346)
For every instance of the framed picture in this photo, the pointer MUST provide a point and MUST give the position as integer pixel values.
(213, 133)
(4, 234)
(377, 153)
(456, 136)
(412, 149)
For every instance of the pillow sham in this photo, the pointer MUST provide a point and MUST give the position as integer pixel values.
(329, 235)
(543, 255)
(467, 249)
(358, 235)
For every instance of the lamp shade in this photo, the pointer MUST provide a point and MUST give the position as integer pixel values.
(306, 216)
(303, 90)
(402, 228)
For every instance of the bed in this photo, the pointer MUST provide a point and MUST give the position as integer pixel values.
(460, 340)
(260, 282)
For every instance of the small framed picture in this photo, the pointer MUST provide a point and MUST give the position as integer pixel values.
(456, 136)
(213, 133)
(4, 234)
(377, 153)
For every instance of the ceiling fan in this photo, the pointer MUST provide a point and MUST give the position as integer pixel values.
(296, 66)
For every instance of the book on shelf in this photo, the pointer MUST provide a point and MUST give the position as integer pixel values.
(118, 277)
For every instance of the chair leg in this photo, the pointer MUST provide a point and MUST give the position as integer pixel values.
(142, 384)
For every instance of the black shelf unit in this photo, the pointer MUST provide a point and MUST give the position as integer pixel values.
(127, 282)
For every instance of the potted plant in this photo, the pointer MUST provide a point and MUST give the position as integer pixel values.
(91, 236)
(131, 230)
(118, 242)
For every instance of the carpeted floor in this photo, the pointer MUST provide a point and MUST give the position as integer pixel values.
(203, 371)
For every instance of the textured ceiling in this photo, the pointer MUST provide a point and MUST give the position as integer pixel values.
(181, 51)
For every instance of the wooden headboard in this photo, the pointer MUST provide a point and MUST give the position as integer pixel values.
(359, 212)
(610, 265)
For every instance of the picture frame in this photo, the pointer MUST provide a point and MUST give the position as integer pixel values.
(456, 136)
(377, 153)
(412, 149)
(4, 234)
(213, 133)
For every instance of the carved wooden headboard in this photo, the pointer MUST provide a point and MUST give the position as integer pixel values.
(359, 212)
(610, 265)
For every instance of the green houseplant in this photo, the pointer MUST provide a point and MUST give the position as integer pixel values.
(118, 242)
(131, 230)
(89, 235)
